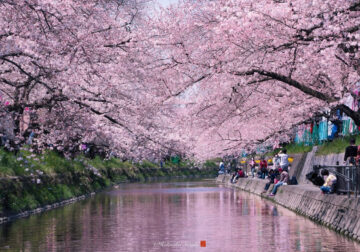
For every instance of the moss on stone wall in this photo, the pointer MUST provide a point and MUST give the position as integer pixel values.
(28, 180)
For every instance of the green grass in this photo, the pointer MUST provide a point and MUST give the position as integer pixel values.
(292, 148)
(331, 147)
(295, 148)
(147, 165)
(61, 178)
(336, 146)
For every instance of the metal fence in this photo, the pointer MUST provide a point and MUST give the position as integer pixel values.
(347, 177)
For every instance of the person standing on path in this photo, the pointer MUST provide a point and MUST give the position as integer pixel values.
(263, 167)
(284, 160)
(252, 166)
(350, 153)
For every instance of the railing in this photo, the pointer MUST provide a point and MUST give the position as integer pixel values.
(347, 177)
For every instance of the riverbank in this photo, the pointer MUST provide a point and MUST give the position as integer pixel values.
(336, 212)
(32, 183)
(12, 215)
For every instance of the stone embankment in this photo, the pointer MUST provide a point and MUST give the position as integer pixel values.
(43, 209)
(334, 211)
(22, 185)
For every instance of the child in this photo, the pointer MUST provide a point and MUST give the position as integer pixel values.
(330, 181)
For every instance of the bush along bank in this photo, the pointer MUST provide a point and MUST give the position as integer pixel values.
(29, 181)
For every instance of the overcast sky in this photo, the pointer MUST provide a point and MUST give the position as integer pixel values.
(166, 2)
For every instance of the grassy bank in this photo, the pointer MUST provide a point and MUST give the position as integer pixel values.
(296, 149)
(29, 180)
(336, 146)
(291, 149)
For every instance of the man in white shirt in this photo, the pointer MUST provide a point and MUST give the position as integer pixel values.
(284, 162)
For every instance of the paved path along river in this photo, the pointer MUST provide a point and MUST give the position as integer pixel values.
(172, 216)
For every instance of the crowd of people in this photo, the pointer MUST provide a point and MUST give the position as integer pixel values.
(277, 173)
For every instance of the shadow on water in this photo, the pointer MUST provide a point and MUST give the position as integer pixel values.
(171, 216)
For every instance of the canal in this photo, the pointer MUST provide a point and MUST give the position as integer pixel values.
(171, 216)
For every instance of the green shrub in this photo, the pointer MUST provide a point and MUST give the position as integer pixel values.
(97, 162)
(44, 196)
(107, 182)
(8, 163)
(55, 163)
(141, 177)
(21, 203)
(120, 178)
(148, 165)
(61, 192)
(30, 201)
(96, 186)
(159, 173)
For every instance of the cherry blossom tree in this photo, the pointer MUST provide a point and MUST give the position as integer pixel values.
(256, 68)
(72, 65)
(202, 77)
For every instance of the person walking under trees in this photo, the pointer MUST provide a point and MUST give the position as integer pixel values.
(350, 153)
(284, 160)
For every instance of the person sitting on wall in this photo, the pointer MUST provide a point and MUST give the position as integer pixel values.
(271, 178)
(233, 177)
(277, 173)
(284, 180)
(350, 153)
(330, 182)
(221, 168)
(239, 174)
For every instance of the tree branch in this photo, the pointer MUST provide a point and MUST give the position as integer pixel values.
(290, 82)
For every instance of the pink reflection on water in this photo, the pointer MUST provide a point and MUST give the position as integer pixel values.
(174, 217)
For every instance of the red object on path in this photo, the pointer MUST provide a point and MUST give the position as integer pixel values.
(203, 244)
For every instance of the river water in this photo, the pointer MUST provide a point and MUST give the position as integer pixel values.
(174, 216)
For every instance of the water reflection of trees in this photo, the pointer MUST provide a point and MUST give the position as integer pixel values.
(137, 219)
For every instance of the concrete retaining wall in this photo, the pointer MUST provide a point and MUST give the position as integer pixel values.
(334, 211)
(43, 209)
(303, 163)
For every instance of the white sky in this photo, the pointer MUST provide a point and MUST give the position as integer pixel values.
(166, 3)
